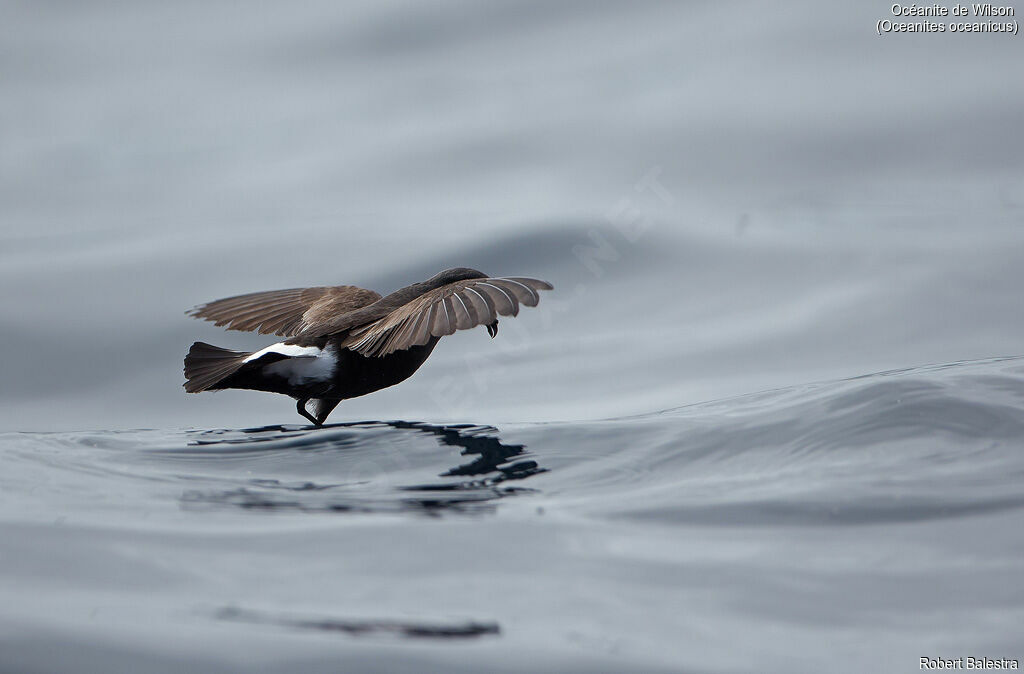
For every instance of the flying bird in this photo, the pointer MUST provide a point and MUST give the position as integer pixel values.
(343, 341)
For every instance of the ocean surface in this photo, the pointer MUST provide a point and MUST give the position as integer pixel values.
(770, 419)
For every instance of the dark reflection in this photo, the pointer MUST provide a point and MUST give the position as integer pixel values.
(376, 628)
(493, 464)
(492, 454)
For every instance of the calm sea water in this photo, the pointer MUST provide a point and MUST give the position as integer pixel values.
(771, 419)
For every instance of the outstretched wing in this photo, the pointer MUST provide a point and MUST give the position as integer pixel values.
(284, 312)
(457, 306)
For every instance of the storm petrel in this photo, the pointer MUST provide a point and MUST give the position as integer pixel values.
(343, 341)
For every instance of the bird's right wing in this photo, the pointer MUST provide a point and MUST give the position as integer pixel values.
(457, 306)
(284, 312)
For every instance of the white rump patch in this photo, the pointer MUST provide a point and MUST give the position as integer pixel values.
(290, 350)
(303, 364)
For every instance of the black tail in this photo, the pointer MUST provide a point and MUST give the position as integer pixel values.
(207, 365)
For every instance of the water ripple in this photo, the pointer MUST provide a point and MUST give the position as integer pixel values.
(935, 442)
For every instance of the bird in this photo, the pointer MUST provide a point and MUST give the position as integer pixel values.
(345, 341)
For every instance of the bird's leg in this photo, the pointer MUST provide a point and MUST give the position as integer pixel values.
(323, 409)
(301, 409)
(492, 329)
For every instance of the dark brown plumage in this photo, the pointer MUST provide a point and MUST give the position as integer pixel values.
(284, 312)
(345, 341)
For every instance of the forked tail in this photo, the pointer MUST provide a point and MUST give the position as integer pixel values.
(207, 365)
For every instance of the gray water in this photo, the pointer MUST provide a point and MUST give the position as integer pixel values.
(770, 419)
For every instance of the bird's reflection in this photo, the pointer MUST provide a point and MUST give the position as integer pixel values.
(471, 486)
(491, 454)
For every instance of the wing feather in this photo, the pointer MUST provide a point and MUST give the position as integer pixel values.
(482, 303)
(465, 315)
(526, 293)
(439, 319)
(421, 333)
(504, 302)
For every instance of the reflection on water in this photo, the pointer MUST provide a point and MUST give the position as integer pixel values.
(482, 441)
(365, 628)
(494, 463)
